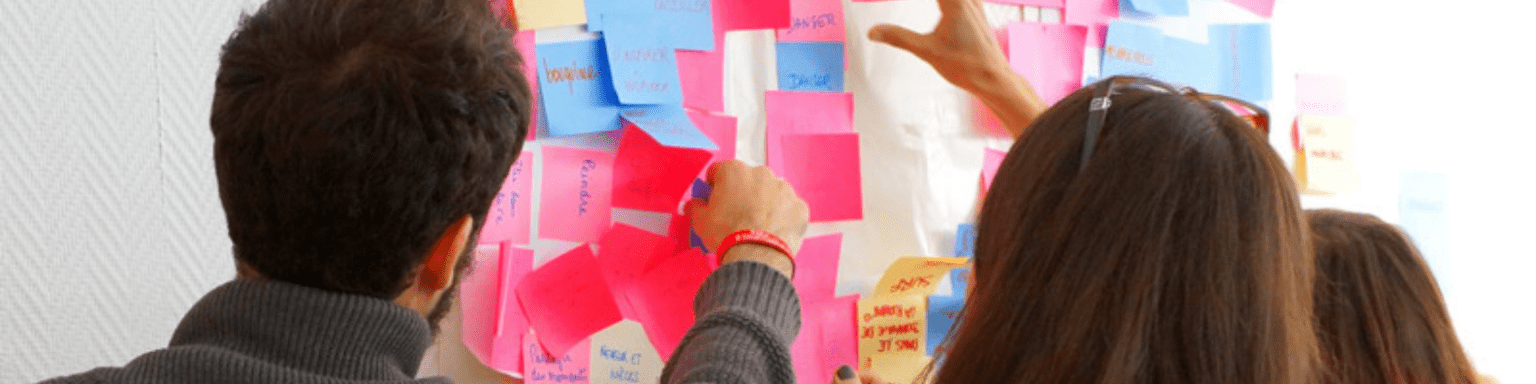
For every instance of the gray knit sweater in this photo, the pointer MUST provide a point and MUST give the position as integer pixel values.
(250, 331)
(259, 331)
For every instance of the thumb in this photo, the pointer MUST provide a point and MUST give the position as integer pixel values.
(900, 37)
(845, 375)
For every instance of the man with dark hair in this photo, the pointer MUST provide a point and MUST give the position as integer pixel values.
(358, 146)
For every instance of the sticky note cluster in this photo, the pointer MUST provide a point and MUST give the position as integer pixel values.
(1324, 136)
(896, 324)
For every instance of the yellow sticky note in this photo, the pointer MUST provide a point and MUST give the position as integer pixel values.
(1326, 161)
(916, 275)
(622, 354)
(892, 332)
(535, 14)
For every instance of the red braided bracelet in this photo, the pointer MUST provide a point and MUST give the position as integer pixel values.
(758, 237)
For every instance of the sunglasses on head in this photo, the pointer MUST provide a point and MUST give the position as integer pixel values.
(1098, 108)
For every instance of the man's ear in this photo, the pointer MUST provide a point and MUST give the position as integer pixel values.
(437, 271)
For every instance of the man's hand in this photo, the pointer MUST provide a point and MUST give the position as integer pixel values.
(964, 50)
(749, 198)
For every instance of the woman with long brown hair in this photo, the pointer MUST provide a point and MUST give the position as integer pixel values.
(1380, 316)
(1135, 233)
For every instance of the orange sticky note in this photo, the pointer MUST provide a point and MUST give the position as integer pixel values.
(892, 332)
(917, 276)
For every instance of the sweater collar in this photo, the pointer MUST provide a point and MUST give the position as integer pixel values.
(301, 328)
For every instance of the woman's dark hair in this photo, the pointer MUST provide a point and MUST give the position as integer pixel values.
(1178, 255)
(1380, 316)
(348, 135)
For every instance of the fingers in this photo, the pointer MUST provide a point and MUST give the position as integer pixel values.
(845, 375)
(902, 38)
(868, 377)
(730, 166)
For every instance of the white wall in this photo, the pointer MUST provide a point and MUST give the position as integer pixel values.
(113, 229)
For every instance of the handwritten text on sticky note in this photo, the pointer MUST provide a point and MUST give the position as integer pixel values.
(578, 194)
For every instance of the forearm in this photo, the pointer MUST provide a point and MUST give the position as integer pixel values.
(747, 316)
(1009, 96)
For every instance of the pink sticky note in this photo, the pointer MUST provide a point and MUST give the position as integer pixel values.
(1049, 55)
(478, 299)
(837, 331)
(511, 212)
(796, 113)
(541, 367)
(1263, 8)
(626, 252)
(524, 42)
(578, 194)
(702, 76)
(815, 20)
(1094, 14)
(511, 324)
(721, 129)
(666, 294)
(652, 177)
(1038, 3)
(1321, 95)
(678, 232)
(753, 14)
(990, 161)
(816, 267)
(824, 169)
(566, 302)
(805, 352)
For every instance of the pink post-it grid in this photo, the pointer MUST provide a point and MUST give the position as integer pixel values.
(511, 214)
(824, 170)
(652, 177)
(797, 113)
(1049, 55)
(512, 323)
(566, 302)
(815, 20)
(578, 194)
(479, 302)
(816, 267)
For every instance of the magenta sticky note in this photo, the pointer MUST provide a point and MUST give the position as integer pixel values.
(1262, 8)
(665, 294)
(1049, 55)
(721, 129)
(702, 77)
(566, 302)
(816, 267)
(652, 177)
(815, 20)
(1321, 95)
(479, 301)
(824, 170)
(797, 113)
(510, 217)
(578, 194)
(626, 252)
(1037, 3)
(837, 331)
(753, 14)
(990, 162)
(541, 367)
(512, 323)
(524, 42)
(805, 351)
(1093, 14)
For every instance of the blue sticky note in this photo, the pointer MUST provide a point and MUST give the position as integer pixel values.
(959, 279)
(965, 240)
(644, 64)
(811, 66)
(1422, 209)
(1156, 7)
(684, 24)
(669, 125)
(576, 89)
(1131, 49)
(942, 312)
(1244, 60)
(1187, 63)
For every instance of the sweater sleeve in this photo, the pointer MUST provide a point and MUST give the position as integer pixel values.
(747, 314)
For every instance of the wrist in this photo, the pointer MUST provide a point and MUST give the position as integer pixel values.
(762, 254)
